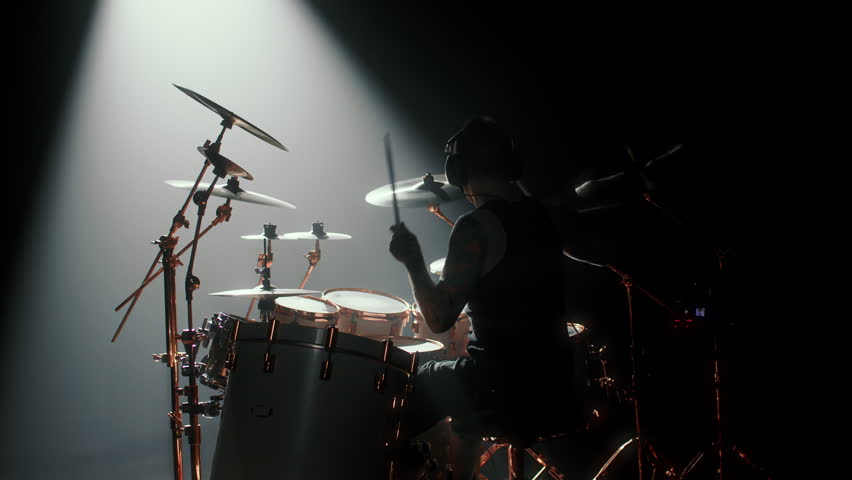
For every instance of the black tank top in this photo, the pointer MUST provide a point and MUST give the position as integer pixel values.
(517, 309)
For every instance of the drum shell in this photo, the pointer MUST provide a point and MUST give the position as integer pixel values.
(290, 423)
(455, 339)
(367, 323)
(288, 314)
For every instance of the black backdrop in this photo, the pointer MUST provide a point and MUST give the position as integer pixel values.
(575, 89)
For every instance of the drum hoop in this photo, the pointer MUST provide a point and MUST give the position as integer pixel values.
(310, 315)
(431, 341)
(337, 350)
(402, 314)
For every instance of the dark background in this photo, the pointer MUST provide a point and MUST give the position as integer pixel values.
(576, 88)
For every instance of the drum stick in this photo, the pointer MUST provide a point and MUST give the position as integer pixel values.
(389, 159)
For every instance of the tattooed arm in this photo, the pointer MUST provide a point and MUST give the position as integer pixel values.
(442, 303)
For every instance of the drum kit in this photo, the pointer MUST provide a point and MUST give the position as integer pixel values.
(319, 374)
(315, 386)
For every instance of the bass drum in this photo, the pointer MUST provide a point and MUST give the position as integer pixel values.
(311, 403)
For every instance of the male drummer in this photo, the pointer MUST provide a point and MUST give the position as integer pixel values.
(503, 268)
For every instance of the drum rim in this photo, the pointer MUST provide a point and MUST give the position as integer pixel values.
(400, 360)
(364, 313)
(310, 315)
(432, 341)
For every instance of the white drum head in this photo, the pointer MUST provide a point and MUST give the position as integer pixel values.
(411, 344)
(306, 304)
(366, 301)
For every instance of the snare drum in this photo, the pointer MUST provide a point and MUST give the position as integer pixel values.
(310, 404)
(306, 311)
(368, 313)
(221, 332)
(455, 339)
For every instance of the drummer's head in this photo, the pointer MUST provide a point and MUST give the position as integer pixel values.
(481, 151)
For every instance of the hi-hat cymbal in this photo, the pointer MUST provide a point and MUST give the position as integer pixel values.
(260, 292)
(223, 164)
(313, 236)
(437, 267)
(231, 117)
(416, 192)
(237, 193)
(317, 233)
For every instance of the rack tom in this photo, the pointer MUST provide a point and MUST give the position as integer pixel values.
(306, 311)
(368, 313)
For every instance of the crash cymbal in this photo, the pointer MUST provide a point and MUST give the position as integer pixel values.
(437, 267)
(231, 117)
(234, 193)
(261, 292)
(416, 192)
(222, 166)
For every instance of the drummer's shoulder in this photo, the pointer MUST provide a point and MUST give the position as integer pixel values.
(481, 220)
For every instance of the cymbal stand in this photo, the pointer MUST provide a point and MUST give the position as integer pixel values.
(264, 261)
(436, 209)
(642, 446)
(223, 214)
(719, 446)
(314, 256)
(189, 337)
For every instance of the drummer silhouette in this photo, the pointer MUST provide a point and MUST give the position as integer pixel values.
(504, 270)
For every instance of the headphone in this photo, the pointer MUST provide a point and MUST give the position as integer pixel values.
(481, 144)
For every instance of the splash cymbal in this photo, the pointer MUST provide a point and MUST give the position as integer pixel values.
(223, 165)
(416, 192)
(234, 193)
(233, 118)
